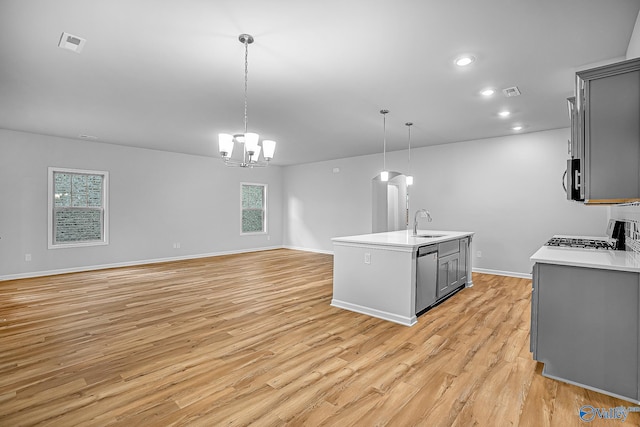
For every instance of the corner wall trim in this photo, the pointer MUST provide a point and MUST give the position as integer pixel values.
(129, 263)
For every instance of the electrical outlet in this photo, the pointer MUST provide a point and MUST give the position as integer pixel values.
(367, 258)
(27, 257)
(479, 254)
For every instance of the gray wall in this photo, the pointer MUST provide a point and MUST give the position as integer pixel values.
(156, 199)
(508, 190)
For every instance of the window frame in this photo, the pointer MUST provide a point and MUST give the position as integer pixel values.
(51, 242)
(264, 208)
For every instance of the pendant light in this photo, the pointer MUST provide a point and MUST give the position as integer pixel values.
(409, 176)
(249, 140)
(384, 175)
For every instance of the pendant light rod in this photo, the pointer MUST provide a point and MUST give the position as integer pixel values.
(409, 176)
(384, 176)
(408, 125)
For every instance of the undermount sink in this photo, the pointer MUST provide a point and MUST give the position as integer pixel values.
(429, 236)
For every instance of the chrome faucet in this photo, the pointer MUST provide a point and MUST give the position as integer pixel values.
(423, 214)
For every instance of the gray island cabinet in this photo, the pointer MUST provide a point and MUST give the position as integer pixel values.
(378, 274)
(585, 319)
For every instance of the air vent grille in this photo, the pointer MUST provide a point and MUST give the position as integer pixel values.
(511, 91)
(71, 42)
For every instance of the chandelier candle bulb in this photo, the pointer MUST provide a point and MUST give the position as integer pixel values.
(251, 142)
(268, 148)
(225, 143)
(253, 156)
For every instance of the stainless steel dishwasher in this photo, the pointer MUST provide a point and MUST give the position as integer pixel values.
(426, 277)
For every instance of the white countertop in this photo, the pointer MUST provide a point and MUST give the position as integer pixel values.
(591, 258)
(403, 238)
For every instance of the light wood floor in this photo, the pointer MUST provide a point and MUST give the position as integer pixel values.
(251, 338)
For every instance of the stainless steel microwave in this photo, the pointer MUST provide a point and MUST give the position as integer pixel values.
(574, 180)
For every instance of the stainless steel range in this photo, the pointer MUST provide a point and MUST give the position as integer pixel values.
(579, 242)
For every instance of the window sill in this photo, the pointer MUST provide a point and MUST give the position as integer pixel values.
(76, 245)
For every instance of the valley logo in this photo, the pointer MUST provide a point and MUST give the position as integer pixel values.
(588, 413)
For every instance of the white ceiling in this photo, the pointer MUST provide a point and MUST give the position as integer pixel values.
(169, 75)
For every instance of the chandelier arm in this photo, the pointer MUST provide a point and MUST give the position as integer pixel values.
(243, 164)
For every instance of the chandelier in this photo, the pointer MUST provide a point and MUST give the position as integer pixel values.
(251, 147)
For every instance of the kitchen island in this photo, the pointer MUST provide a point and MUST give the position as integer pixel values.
(585, 318)
(376, 274)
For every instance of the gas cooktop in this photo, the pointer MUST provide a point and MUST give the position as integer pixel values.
(578, 242)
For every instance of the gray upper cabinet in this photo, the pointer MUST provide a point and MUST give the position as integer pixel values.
(606, 132)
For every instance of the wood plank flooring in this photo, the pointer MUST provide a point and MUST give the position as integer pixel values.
(251, 339)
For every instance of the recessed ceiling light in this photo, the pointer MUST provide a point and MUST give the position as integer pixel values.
(487, 92)
(517, 128)
(84, 136)
(463, 61)
(504, 113)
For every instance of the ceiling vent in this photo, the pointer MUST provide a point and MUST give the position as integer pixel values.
(71, 42)
(511, 91)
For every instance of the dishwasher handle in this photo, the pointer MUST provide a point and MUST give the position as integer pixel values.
(426, 250)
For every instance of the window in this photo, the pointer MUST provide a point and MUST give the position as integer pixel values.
(254, 208)
(78, 208)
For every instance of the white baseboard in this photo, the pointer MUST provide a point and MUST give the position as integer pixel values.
(396, 318)
(502, 273)
(318, 251)
(206, 255)
(32, 274)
